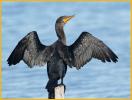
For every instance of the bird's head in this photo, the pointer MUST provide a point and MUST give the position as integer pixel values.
(63, 19)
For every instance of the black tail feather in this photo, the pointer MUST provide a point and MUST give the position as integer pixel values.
(50, 88)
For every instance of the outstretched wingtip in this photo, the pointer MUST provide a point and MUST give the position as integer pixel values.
(9, 62)
(114, 58)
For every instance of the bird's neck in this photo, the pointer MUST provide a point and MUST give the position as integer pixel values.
(60, 33)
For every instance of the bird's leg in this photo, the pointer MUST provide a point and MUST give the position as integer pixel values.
(63, 84)
(61, 81)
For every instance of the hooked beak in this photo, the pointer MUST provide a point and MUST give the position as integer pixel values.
(66, 19)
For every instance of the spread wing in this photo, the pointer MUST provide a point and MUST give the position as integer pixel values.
(31, 51)
(87, 47)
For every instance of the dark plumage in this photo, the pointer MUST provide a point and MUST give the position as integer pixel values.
(58, 55)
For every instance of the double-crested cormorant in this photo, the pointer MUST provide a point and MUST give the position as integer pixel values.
(59, 55)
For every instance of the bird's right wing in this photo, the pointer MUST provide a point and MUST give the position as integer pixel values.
(87, 47)
(31, 51)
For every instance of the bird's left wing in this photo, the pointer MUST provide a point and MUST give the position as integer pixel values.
(87, 47)
(31, 51)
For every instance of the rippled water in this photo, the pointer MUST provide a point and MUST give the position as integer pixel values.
(107, 21)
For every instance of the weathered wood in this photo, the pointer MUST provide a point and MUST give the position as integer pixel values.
(59, 92)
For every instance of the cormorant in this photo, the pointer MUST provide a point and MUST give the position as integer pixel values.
(59, 55)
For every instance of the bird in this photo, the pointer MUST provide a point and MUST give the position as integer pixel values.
(59, 55)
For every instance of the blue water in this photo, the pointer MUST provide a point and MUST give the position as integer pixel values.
(109, 22)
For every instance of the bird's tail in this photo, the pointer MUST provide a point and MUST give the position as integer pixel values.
(50, 88)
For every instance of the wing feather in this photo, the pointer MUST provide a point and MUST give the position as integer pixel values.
(31, 51)
(87, 47)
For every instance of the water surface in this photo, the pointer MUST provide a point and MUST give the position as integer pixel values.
(109, 22)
